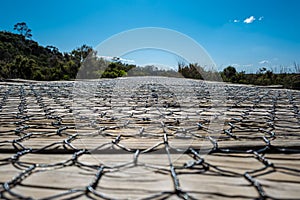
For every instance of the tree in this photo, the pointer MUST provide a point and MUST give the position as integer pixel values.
(229, 74)
(262, 70)
(191, 70)
(23, 29)
(82, 52)
(297, 67)
(52, 49)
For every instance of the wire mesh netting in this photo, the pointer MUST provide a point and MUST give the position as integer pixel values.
(99, 140)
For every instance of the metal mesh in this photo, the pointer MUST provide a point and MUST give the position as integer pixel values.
(152, 141)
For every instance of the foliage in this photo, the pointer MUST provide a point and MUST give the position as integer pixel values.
(26, 59)
(21, 57)
(229, 74)
(151, 70)
(23, 29)
(262, 77)
(190, 71)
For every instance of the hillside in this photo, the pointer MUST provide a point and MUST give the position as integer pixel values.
(24, 58)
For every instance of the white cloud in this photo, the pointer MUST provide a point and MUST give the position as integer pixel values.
(111, 58)
(234, 65)
(263, 62)
(240, 65)
(127, 60)
(249, 20)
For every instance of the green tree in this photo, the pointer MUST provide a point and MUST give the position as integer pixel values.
(82, 52)
(23, 29)
(191, 71)
(229, 74)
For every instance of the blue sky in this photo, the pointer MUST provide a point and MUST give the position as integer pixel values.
(245, 34)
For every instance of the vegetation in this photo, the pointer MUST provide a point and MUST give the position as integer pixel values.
(24, 58)
(21, 57)
(23, 29)
(151, 70)
(263, 77)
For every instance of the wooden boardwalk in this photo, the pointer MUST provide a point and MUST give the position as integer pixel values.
(148, 138)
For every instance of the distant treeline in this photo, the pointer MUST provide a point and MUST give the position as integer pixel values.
(21, 57)
(263, 77)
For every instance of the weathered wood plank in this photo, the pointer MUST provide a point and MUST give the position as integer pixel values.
(148, 142)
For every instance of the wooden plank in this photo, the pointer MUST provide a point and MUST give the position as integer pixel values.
(143, 142)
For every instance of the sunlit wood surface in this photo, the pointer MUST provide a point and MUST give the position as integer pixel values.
(148, 138)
